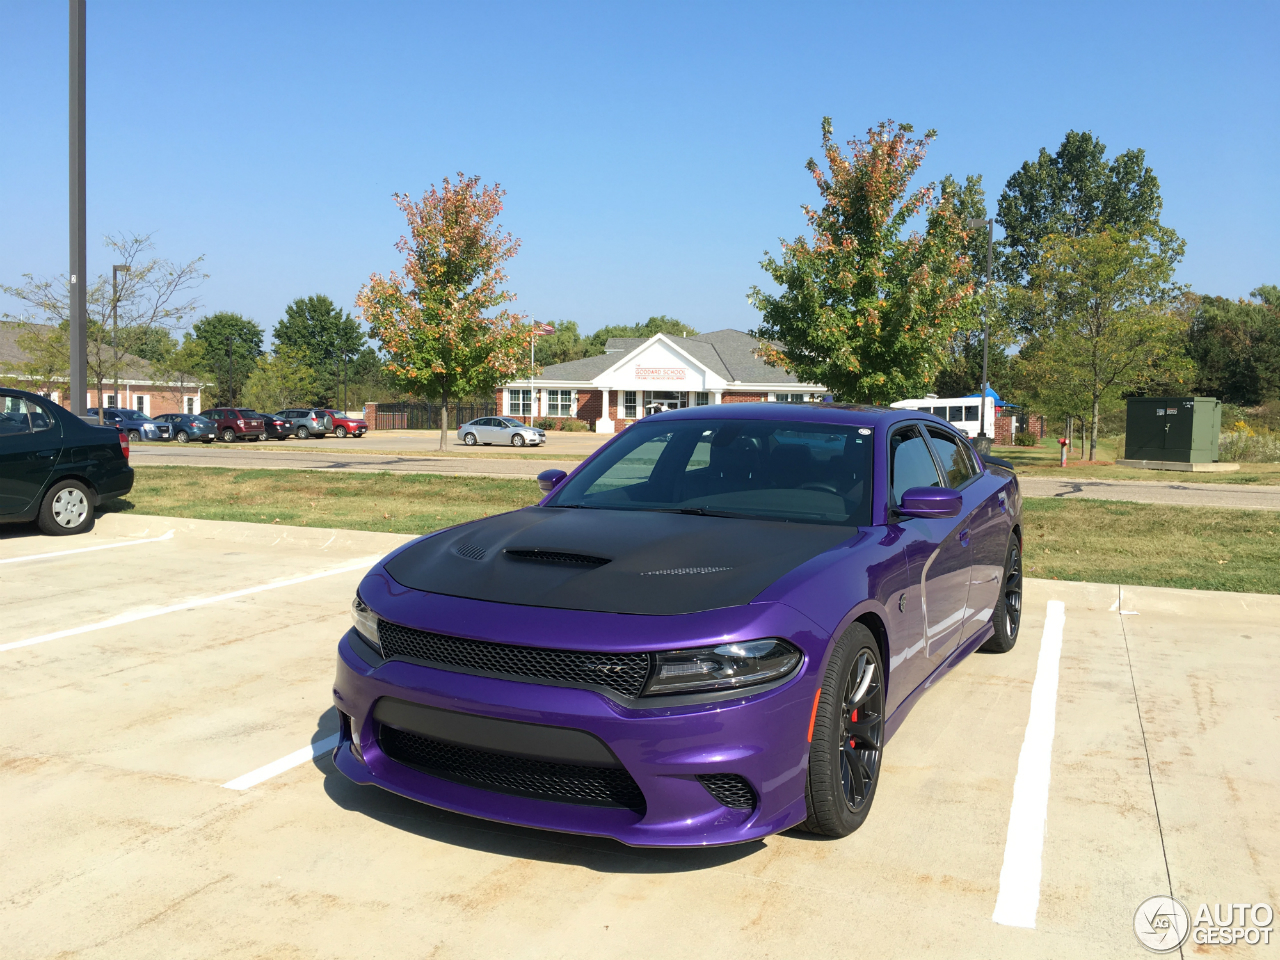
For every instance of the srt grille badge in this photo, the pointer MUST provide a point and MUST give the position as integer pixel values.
(612, 668)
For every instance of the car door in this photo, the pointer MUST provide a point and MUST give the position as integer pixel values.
(30, 442)
(941, 557)
(986, 508)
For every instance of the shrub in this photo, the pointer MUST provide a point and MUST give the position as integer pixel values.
(546, 423)
(575, 426)
(1025, 439)
(1246, 446)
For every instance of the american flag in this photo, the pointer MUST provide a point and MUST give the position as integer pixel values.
(543, 329)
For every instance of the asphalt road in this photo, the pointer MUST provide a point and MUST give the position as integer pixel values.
(168, 790)
(294, 456)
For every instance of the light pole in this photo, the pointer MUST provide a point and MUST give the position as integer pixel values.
(116, 270)
(78, 370)
(974, 224)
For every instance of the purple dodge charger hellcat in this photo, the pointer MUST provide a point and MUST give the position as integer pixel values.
(703, 635)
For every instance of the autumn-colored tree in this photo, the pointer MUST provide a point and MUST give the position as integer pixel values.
(1106, 319)
(865, 310)
(436, 323)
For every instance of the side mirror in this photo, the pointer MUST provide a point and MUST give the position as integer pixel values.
(931, 503)
(548, 480)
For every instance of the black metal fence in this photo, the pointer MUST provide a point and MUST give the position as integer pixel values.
(426, 416)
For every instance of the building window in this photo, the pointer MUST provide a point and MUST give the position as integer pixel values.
(628, 405)
(110, 400)
(520, 403)
(191, 404)
(660, 401)
(139, 401)
(702, 399)
(559, 403)
(790, 397)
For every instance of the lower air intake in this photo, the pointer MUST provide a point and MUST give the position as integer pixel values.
(730, 789)
(540, 779)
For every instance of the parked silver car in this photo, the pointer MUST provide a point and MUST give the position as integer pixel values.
(308, 423)
(490, 430)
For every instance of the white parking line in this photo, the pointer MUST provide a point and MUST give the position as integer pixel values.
(123, 618)
(1019, 896)
(102, 546)
(255, 777)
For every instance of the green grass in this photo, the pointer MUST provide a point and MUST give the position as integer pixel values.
(1151, 545)
(1095, 540)
(386, 502)
(1042, 461)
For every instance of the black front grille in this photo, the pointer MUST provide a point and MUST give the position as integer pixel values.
(540, 779)
(730, 789)
(625, 673)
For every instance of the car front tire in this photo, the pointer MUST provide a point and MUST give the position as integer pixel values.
(848, 737)
(517, 441)
(1007, 617)
(134, 436)
(469, 439)
(67, 509)
(341, 433)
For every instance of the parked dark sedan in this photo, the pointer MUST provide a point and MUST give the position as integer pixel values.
(276, 428)
(188, 427)
(54, 467)
(705, 634)
(137, 424)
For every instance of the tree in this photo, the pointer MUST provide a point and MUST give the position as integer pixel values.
(864, 310)
(280, 380)
(1236, 349)
(186, 366)
(48, 354)
(218, 334)
(1106, 321)
(435, 323)
(1076, 191)
(567, 344)
(319, 332)
(152, 298)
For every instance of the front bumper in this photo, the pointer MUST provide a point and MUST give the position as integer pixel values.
(761, 737)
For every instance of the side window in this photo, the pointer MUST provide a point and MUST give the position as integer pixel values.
(13, 417)
(910, 464)
(955, 458)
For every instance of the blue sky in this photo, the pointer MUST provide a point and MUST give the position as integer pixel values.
(651, 152)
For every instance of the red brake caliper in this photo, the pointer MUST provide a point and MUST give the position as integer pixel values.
(854, 717)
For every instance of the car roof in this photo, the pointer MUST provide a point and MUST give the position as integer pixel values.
(863, 415)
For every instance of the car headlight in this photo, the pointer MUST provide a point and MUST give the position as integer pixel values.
(366, 622)
(726, 667)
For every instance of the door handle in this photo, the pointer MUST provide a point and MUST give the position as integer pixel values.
(47, 453)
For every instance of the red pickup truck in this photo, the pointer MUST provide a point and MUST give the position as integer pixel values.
(344, 426)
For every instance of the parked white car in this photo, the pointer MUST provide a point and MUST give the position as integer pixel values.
(505, 430)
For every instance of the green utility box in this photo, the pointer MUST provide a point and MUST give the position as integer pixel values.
(1173, 429)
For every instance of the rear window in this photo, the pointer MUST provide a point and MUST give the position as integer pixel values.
(756, 469)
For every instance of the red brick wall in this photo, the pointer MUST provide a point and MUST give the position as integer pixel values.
(1004, 430)
(727, 397)
(590, 404)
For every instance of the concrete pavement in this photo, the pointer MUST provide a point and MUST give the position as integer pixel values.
(120, 839)
(1242, 496)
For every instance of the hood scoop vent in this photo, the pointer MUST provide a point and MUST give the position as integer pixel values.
(556, 556)
(469, 550)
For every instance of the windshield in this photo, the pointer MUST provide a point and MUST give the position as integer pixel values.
(511, 423)
(760, 469)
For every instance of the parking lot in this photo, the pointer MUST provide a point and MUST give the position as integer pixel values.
(166, 717)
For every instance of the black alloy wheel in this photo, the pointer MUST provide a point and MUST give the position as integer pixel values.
(303, 433)
(517, 441)
(182, 437)
(135, 436)
(469, 439)
(848, 737)
(1007, 616)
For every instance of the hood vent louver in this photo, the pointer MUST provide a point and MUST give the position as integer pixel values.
(469, 550)
(556, 556)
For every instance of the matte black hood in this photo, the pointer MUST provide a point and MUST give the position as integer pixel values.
(612, 561)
